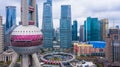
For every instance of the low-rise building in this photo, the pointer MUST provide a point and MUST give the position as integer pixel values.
(7, 55)
(94, 49)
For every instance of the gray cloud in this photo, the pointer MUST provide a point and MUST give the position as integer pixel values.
(80, 9)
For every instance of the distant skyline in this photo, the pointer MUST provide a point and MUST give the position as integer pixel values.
(81, 9)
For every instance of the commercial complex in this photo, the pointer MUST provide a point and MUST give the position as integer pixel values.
(82, 49)
(47, 25)
(92, 29)
(93, 48)
(65, 27)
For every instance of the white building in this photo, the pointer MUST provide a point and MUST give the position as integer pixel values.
(85, 64)
(7, 55)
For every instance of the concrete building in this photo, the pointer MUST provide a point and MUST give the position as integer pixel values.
(1, 36)
(65, 27)
(47, 25)
(104, 28)
(93, 48)
(7, 55)
(83, 49)
(113, 46)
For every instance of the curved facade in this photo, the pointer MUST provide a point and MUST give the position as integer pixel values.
(26, 39)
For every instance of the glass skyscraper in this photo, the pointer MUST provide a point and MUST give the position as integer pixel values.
(47, 25)
(74, 31)
(65, 27)
(10, 24)
(92, 29)
(10, 16)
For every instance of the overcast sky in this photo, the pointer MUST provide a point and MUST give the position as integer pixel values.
(81, 9)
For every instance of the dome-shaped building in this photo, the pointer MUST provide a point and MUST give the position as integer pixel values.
(26, 39)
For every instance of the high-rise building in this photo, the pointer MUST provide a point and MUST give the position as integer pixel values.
(65, 27)
(104, 28)
(92, 29)
(81, 33)
(1, 36)
(47, 25)
(113, 46)
(37, 21)
(10, 17)
(74, 31)
(10, 24)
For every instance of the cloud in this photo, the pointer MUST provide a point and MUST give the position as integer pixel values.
(81, 9)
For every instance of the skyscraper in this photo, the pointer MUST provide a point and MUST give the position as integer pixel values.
(10, 17)
(92, 29)
(74, 31)
(113, 46)
(81, 33)
(65, 27)
(47, 25)
(104, 28)
(1, 36)
(10, 24)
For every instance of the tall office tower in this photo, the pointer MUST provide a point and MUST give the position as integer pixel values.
(10, 24)
(74, 31)
(1, 36)
(104, 28)
(26, 39)
(92, 29)
(47, 25)
(65, 27)
(37, 20)
(113, 46)
(81, 33)
(10, 17)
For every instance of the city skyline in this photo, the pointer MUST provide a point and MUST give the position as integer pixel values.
(101, 9)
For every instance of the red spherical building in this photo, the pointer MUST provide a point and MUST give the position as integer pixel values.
(26, 39)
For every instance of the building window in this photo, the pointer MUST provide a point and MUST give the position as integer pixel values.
(116, 37)
(30, 2)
